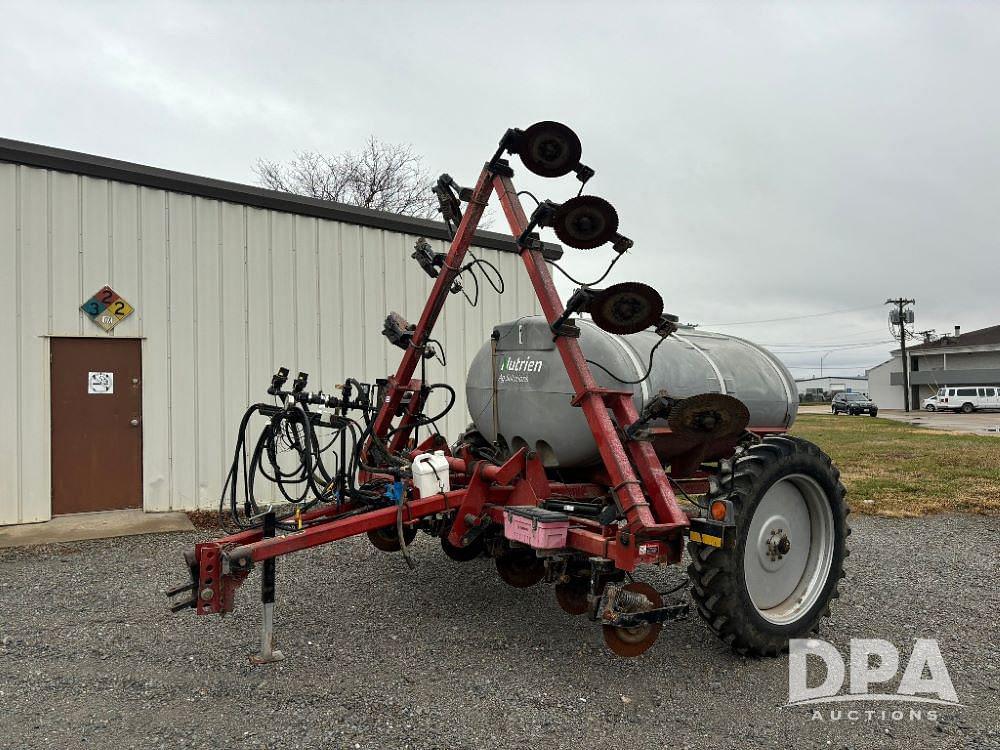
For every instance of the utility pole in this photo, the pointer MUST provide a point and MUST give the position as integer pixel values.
(901, 316)
(821, 362)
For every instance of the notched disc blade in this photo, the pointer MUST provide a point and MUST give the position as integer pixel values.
(520, 568)
(708, 416)
(388, 541)
(585, 222)
(572, 596)
(626, 308)
(634, 641)
(461, 554)
(550, 149)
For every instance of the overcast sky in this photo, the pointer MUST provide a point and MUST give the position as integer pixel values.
(770, 160)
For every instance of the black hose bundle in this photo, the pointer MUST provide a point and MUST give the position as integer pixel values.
(290, 454)
(287, 453)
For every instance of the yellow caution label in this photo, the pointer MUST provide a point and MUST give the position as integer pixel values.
(711, 541)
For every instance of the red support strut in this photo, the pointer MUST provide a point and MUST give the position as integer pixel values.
(596, 401)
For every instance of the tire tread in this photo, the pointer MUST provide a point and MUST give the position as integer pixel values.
(716, 573)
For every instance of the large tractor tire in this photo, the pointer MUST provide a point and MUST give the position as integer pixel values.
(777, 581)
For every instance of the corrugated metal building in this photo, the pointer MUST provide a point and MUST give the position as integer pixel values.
(828, 385)
(228, 282)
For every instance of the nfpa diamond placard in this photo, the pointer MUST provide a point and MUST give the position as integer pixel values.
(107, 308)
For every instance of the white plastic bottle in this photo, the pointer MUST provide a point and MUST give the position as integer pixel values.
(430, 473)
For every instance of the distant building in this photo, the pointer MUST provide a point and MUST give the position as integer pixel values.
(821, 389)
(971, 358)
(879, 388)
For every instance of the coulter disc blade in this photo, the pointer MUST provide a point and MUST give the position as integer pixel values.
(633, 641)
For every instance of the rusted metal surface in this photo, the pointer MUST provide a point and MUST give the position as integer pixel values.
(708, 416)
(572, 595)
(630, 641)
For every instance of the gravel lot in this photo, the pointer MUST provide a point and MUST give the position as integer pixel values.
(447, 656)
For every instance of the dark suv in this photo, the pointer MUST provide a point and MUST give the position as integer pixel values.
(853, 403)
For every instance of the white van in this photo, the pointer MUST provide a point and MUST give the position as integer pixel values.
(969, 398)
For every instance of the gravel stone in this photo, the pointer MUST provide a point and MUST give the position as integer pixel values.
(447, 656)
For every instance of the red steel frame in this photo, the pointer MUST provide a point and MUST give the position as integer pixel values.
(654, 522)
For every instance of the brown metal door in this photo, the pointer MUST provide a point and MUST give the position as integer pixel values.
(96, 424)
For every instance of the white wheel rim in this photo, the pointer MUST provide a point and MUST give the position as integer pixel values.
(789, 549)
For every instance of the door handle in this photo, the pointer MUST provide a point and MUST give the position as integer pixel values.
(134, 422)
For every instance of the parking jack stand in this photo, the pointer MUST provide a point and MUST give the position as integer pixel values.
(267, 654)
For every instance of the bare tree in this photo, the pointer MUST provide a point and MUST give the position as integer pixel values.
(382, 176)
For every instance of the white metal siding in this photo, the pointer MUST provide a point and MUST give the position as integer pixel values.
(884, 394)
(224, 294)
(931, 362)
(828, 383)
(974, 360)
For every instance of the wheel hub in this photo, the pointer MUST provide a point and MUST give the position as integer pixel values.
(550, 149)
(778, 545)
(774, 541)
(789, 548)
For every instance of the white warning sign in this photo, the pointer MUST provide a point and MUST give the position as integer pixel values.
(100, 382)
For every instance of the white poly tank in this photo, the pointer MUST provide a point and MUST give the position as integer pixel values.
(533, 391)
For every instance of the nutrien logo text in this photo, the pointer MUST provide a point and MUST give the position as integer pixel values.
(870, 671)
(520, 364)
(516, 369)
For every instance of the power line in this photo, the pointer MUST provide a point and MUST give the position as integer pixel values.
(845, 347)
(856, 368)
(852, 337)
(793, 317)
(845, 344)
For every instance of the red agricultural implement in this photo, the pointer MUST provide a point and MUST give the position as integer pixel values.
(762, 514)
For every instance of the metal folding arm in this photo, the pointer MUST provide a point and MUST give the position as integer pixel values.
(666, 514)
(402, 381)
(653, 526)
